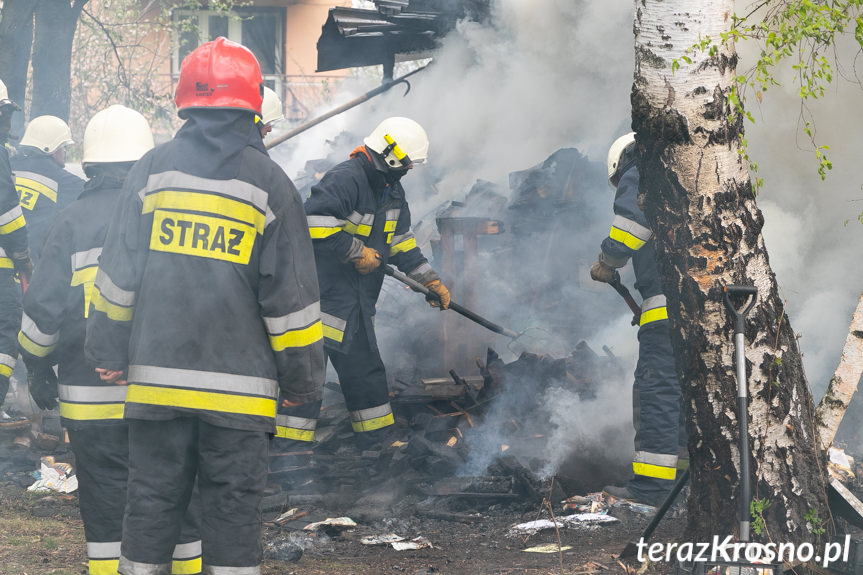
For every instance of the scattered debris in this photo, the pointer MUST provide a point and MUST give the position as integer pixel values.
(332, 523)
(416, 543)
(841, 465)
(54, 476)
(381, 539)
(577, 521)
(549, 548)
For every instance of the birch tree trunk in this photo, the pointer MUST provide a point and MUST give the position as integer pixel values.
(699, 201)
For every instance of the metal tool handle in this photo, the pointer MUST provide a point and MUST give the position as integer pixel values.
(417, 286)
(627, 297)
(751, 292)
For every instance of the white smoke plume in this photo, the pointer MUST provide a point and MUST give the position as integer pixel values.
(548, 74)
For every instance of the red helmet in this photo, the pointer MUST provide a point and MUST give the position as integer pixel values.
(220, 74)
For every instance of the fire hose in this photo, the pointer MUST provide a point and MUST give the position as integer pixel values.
(430, 295)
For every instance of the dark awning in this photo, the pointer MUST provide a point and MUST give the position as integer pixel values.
(353, 37)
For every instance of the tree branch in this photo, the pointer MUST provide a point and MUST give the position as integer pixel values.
(121, 72)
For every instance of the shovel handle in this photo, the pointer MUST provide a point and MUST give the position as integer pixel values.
(627, 297)
(740, 313)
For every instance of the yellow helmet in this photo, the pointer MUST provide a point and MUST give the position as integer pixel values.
(621, 156)
(47, 134)
(400, 141)
(116, 134)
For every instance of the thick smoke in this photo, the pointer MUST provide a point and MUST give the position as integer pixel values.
(547, 74)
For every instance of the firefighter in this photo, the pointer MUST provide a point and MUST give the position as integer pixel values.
(659, 433)
(14, 259)
(53, 329)
(359, 221)
(271, 112)
(44, 187)
(206, 303)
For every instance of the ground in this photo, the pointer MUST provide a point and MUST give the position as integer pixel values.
(42, 534)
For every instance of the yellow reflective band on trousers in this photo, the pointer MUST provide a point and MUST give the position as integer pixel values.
(6, 263)
(186, 566)
(658, 471)
(112, 310)
(404, 246)
(655, 314)
(372, 418)
(297, 337)
(626, 238)
(5, 370)
(658, 465)
(103, 566)
(91, 411)
(202, 400)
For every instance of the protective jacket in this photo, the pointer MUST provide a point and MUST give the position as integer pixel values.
(56, 306)
(13, 240)
(630, 237)
(352, 206)
(660, 435)
(44, 188)
(206, 290)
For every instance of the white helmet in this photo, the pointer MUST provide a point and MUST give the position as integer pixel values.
(400, 141)
(47, 133)
(271, 108)
(4, 97)
(116, 134)
(621, 156)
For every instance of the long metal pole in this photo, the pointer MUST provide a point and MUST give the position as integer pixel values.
(343, 108)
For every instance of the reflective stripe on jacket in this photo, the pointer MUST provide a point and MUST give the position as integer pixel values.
(56, 304)
(351, 207)
(630, 237)
(13, 228)
(44, 189)
(207, 293)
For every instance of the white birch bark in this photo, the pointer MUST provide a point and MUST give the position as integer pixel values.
(707, 228)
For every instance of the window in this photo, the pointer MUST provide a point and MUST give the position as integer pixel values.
(261, 30)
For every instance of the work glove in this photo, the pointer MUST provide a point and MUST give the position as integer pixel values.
(42, 382)
(368, 262)
(602, 272)
(437, 287)
(23, 264)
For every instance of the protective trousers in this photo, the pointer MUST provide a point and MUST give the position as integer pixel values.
(102, 468)
(10, 323)
(363, 379)
(231, 468)
(657, 417)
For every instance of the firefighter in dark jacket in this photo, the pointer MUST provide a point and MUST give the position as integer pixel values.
(206, 302)
(53, 330)
(359, 221)
(44, 187)
(659, 433)
(14, 259)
